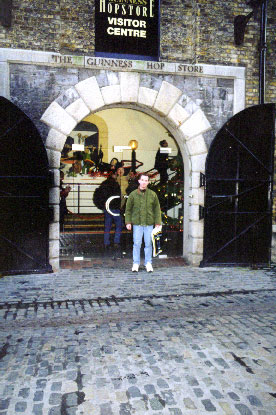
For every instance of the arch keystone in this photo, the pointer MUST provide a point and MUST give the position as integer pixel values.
(111, 94)
(129, 86)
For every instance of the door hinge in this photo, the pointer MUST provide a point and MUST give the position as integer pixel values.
(51, 178)
(202, 182)
(51, 214)
(201, 212)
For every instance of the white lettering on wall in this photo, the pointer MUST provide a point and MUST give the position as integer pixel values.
(189, 68)
(102, 6)
(125, 9)
(151, 8)
(117, 31)
(195, 70)
(126, 22)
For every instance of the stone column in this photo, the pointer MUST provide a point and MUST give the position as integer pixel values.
(61, 124)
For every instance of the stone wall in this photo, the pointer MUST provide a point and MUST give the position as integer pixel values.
(193, 31)
(34, 87)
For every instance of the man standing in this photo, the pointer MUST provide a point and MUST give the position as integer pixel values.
(143, 213)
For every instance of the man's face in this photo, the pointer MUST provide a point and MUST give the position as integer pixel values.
(120, 171)
(143, 182)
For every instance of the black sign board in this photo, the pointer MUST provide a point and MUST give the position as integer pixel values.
(127, 29)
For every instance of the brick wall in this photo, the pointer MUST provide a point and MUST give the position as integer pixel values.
(202, 31)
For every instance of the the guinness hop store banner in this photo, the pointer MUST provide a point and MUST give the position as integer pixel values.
(127, 29)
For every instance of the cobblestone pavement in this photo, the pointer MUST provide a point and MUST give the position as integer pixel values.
(105, 341)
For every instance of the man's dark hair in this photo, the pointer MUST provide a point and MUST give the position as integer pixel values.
(143, 174)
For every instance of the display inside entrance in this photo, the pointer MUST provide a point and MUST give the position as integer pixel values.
(127, 29)
(127, 143)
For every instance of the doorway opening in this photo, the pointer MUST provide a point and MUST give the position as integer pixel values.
(127, 141)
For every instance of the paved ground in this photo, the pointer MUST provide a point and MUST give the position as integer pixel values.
(105, 341)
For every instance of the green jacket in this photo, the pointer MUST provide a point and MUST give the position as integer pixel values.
(143, 208)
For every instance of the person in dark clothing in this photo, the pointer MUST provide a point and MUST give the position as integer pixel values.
(64, 192)
(107, 197)
(162, 163)
(132, 183)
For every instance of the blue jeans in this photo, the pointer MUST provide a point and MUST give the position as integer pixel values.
(138, 232)
(108, 220)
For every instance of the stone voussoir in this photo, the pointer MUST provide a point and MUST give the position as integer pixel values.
(195, 125)
(90, 92)
(54, 158)
(111, 94)
(56, 117)
(196, 229)
(167, 97)
(147, 96)
(196, 145)
(178, 115)
(55, 140)
(54, 231)
(54, 248)
(78, 109)
(54, 195)
(198, 162)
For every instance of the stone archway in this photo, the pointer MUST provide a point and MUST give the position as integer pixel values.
(168, 105)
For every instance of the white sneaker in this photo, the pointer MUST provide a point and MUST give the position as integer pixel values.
(149, 267)
(135, 268)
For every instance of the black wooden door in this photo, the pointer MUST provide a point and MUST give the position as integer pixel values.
(24, 194)
(238, 192)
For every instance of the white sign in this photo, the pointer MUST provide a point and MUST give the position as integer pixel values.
(78, 258)
(166, 150)
(119, 149)
(78, 147)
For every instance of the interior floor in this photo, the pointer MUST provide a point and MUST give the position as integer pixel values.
(81, 239)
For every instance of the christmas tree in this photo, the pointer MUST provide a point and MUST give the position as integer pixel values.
(171, 193)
